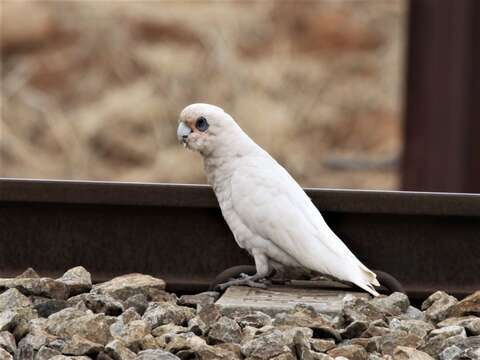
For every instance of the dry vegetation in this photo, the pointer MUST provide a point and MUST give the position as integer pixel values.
(92, 89)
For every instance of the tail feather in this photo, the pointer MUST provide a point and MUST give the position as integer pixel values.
(368, 288)
(371, 276)
(367, 281)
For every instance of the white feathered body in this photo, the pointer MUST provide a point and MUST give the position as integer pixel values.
(267, 210)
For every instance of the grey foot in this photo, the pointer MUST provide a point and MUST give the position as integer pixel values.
(252, 281)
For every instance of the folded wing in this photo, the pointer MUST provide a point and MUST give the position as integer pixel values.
(271, 204)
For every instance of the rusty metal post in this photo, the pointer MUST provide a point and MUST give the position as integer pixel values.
(442, 117)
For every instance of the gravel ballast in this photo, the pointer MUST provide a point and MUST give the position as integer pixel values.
(133, 317)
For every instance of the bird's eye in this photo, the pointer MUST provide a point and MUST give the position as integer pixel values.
(201, 124)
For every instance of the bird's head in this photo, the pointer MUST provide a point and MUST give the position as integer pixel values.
(204, 127)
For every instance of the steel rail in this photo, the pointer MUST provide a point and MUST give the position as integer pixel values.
(428, 241)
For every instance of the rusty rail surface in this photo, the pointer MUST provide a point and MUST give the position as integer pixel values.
(428, 241)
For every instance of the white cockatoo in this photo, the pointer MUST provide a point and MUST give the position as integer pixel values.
(267, 211)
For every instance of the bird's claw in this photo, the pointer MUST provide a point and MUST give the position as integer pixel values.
(247, 280)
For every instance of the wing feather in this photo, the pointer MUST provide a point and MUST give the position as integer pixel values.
(271, 203)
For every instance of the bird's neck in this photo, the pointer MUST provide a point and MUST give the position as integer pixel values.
(221, 163)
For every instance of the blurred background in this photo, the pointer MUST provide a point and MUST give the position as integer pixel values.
(93, 89)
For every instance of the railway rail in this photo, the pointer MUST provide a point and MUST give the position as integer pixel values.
(428, 241)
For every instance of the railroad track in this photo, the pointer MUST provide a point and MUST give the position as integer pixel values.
(428, 241)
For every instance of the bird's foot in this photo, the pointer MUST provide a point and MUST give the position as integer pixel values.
(248, 280)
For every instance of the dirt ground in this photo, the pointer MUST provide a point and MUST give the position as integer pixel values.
(93, 89)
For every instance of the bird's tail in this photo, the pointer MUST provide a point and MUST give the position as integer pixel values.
(367, 280)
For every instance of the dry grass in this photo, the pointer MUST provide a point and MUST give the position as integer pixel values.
(97, 97)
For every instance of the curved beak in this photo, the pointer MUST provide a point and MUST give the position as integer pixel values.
(182, 132)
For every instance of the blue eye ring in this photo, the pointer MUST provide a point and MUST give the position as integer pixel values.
(202, 124)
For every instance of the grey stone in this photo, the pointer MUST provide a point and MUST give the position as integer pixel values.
(12, 298)
(471, 353)
(78, 280)
(37, 326)
(321, 356)
(37, 286)
(218, 352)
(45, 353)
(438, 339)
(65, 357)
(305, 316)
(129, 315)
(21, 329)
(161, 313)
(448, 331)
(455, 340)
(352, 352)
(37, 338)
(470, 323)
(117, 351)
(168, 329)
(369, 344)
(148, 342)
(255, 319)
(359, 309)
(208, 314)
(131, 334)
(413, 313)
(322, 345)
(70, 321)
(25, 351)
(416, 327)
(184, 341)
(138, 301)
(46, 306)
(4, 355)
(354, 329)
(408, 353)
(103, 356)
(302, 346)
(374, 330)
(437, 306)
(207, 297)
(470, 342)
(78, 345)
(28, 274)
(285, 356)
(98, 303)
(287, 333)
(36, 341)
(465, 343)
(125, 286)
(394, 304)
(7, 319)
(197, 326)
(7, 342)
(265, 346)
(468, 306)
(236, 349)
(450, 353)
(389, 342)
(250, 332)
(374, 344)
(225, 330)
(57, 344)
(14, 318)
(156, 354)
(376, 356)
